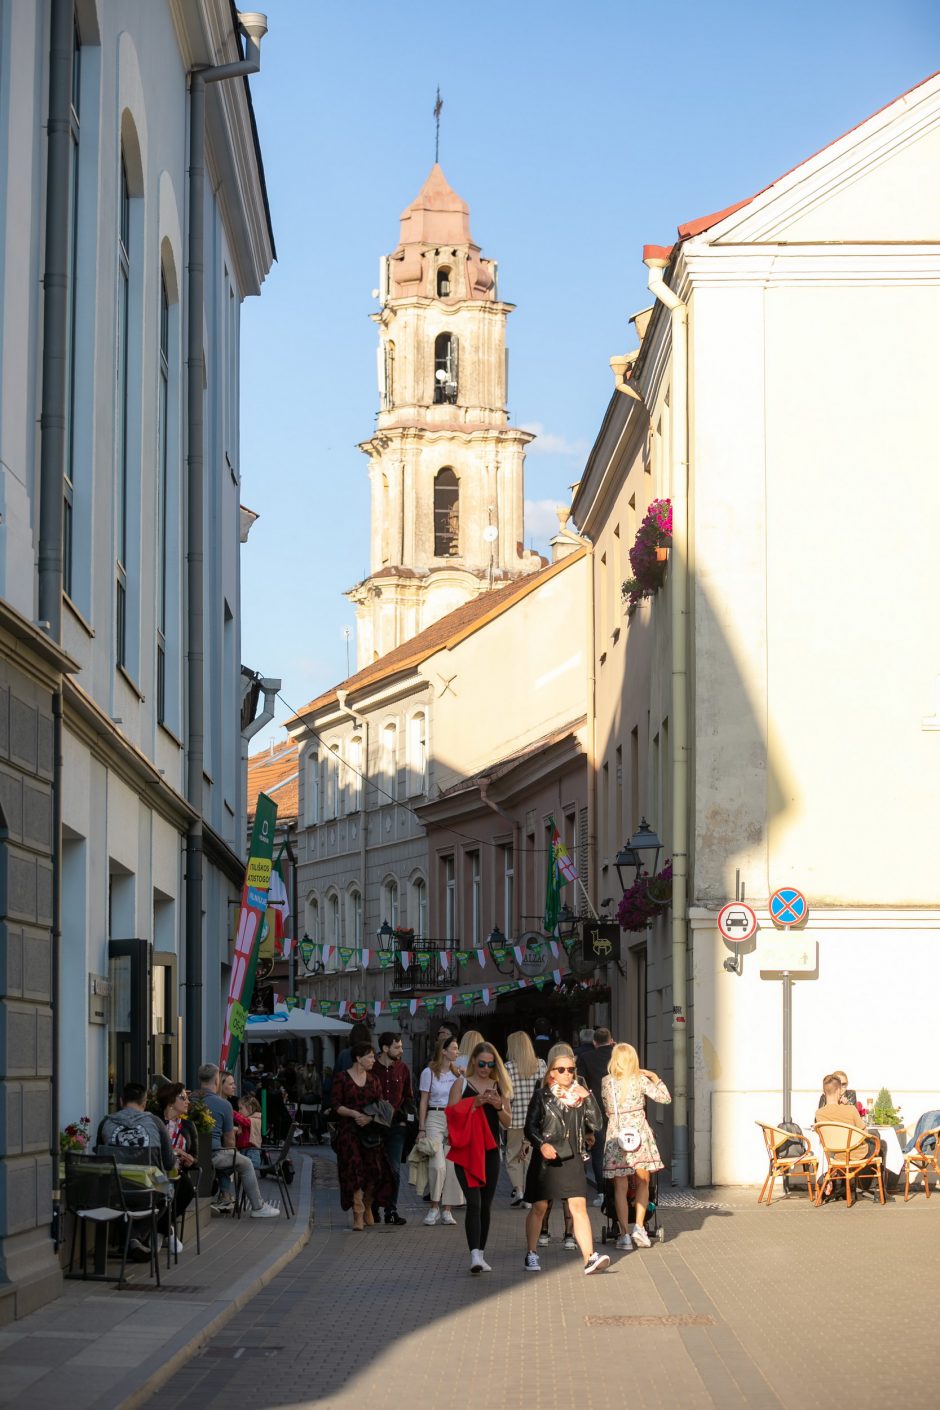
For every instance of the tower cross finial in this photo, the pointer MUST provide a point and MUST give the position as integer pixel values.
(438, 105)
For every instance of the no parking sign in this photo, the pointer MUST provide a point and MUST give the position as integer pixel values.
(788, 907)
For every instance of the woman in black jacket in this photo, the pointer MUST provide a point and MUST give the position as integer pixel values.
(560, 1125)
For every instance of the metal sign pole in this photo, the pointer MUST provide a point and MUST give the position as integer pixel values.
(787, 1044)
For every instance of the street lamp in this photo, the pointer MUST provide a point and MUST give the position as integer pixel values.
(496, 941)
(647, 847)
(385, 936)
(567, 923)
(626, 857)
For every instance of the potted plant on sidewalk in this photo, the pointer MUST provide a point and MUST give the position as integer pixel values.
(204, 1122)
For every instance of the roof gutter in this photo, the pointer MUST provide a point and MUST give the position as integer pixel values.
(657, 259)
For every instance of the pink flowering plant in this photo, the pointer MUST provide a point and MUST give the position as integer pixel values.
(75, 1137)
(645, 898)
(648, 573)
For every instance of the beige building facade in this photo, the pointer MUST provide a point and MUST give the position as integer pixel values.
(445, 466)
(806, 664)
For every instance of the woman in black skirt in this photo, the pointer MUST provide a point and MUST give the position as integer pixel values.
(560, 1125)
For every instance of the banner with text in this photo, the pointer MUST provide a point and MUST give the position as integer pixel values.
(250, 922)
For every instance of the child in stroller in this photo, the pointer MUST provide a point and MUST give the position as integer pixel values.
(611, 1230)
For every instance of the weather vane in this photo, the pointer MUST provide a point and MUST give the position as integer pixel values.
(437, 125)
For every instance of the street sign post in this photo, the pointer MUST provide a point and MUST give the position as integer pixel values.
(783, 956)
(737, 922)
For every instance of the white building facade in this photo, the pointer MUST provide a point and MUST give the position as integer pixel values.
(100, 808)
(808, 586)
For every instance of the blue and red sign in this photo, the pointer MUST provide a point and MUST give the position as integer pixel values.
(788, 907)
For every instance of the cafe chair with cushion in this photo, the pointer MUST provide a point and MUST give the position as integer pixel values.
(802, 1164)
(95, 1195)
(846, 1150)
(922, 1162)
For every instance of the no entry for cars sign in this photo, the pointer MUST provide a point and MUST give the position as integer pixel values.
(737, 922)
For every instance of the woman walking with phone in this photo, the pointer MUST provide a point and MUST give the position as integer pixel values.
(487, 1082)
(560, 1126)
(631, 1146)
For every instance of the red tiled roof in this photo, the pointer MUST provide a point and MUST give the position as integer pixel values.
(705, 222)
(274, 771)
(445, 632)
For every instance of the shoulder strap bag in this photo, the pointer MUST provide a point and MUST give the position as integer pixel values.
(628, 1135)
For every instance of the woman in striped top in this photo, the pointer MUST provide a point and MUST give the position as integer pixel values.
(525, 1072)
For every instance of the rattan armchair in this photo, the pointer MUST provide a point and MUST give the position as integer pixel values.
(921, 1162)
(845, 1147)
(786, 1165)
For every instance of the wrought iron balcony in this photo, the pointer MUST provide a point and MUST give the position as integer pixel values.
(431, 974)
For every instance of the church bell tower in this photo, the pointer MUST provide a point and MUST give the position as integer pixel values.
(446, 468)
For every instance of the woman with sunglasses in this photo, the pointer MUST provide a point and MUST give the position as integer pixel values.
(561, 1123)
(487, 1081)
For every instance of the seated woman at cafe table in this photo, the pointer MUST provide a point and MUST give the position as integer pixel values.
(846, 1096)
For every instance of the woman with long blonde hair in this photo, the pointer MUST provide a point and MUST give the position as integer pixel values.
(467, 1044)
(487, 1082)
(435, 1084)
(561, 1123)
(631, 1146)
(526, 1071)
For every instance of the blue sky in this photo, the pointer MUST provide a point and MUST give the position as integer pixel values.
(576, 133)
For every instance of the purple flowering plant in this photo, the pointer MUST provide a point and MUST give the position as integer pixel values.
(648, 573)
(647, 896)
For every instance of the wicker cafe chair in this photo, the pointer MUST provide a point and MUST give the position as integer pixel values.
(784, 1165)
(846, 1150)
(94, 1195)
(921, 1162)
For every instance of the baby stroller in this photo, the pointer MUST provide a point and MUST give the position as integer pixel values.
(652, 1225)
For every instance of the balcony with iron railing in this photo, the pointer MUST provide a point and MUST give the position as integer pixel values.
(428, 974)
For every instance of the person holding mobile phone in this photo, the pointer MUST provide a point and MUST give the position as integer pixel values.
(487, 1082)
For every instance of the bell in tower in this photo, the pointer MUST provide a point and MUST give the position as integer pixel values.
(446, 467)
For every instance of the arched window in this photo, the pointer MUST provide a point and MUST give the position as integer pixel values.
(443, 283)
(390, 902)
(446, 514)
(354, 775)
(418, 909)
(312, 926)
(332, 920)
(390, 759)
(418, 753)
(312, 788)
(390, 375)
(354, 917)
(445, 368)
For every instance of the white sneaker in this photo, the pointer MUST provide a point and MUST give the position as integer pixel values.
(433, 1216)
(174, 1244)
(570, 1242)
(265, 1211)
(484, 1266)
(597, 1263)
(515, 1199)
(640, 1237)
(476, 1261)
(532, 1264)
(544, 1239)
(447, 1217)
(598, 1201)
(624, 1242)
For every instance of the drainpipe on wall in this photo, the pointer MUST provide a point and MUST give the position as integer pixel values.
(52, 447)
(656, 258)
(254, 26)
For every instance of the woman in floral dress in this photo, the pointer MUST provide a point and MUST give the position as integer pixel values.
(364, 1175)
(624, 1091)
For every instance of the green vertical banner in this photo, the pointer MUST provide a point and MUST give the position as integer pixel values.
(250, 924)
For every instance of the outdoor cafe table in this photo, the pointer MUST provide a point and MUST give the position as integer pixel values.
(892, 1151)
(134, 1179)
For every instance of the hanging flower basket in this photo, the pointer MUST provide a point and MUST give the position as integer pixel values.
(643, 901)
(649, 554)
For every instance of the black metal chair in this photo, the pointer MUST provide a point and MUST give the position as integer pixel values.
(164, 1199)
(94, 1194)
(274, 1164)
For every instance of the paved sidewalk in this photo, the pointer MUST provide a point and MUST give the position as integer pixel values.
(96, 1348)
(738, 1308)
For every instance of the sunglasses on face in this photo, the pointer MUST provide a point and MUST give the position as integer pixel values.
(482, 1062)
(565, 1069)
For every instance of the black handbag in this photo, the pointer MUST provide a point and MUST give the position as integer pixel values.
(370, 1137)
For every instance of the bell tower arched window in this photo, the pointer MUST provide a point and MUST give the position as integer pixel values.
(446, 514)
(443, 284)
(445, 368)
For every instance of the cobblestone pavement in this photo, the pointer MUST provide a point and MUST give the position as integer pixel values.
(738, 1307)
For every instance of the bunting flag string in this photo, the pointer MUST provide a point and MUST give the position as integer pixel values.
(427, 1003)
(320, 952)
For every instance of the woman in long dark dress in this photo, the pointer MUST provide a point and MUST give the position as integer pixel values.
(560, 1126)
(364, 1175)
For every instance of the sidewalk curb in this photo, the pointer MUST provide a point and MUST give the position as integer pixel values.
(139, 1385)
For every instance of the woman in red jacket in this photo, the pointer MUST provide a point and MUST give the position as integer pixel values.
(487, 1083)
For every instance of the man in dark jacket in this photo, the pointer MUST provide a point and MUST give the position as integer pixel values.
(133, 1128)
(592, 1068)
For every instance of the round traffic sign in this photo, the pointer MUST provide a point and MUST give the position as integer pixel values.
(737, 922)
(788, 907)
